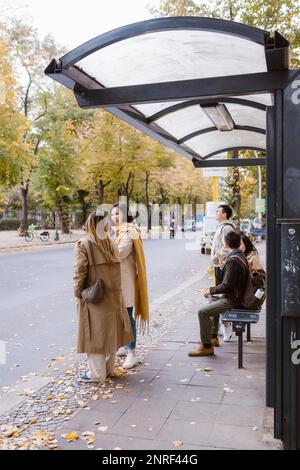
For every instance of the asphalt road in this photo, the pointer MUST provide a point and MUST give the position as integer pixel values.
(37, 309)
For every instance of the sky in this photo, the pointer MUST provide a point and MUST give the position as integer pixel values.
(72, 22)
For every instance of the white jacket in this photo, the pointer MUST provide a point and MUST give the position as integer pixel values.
(218, 247)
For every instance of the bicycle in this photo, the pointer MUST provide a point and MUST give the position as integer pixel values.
(30, 234)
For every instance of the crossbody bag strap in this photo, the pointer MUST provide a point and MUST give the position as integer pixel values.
(237, 257)
(90, 245)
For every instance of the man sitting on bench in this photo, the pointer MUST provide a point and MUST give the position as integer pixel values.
(233, 282)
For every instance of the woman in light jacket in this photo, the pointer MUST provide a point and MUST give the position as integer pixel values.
(133, 276)
(103, 327)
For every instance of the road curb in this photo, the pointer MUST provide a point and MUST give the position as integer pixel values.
(10, 249)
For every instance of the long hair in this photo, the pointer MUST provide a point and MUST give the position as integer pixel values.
(106, 244)
(248, 244)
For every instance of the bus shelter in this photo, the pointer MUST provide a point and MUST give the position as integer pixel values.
(205, 86)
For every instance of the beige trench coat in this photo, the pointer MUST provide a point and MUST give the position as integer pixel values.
(103, 327)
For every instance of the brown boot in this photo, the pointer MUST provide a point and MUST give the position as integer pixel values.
(215, 342)
(202, 351)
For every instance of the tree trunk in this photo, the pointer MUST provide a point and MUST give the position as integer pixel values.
(126, 189)
(81, 197)
(24, 210)
(101, 190)
(63, 214)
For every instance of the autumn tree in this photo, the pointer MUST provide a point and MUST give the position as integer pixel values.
(13, 125)
(60, 131)
(29, 56)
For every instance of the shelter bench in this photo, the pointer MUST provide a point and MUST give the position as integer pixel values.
(240, 318)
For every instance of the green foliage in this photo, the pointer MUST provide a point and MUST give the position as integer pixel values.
(9, 224)
(13, 223)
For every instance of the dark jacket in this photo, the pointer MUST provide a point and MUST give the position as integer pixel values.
(233, 278)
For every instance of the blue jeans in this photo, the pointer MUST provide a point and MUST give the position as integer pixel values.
(133, 326)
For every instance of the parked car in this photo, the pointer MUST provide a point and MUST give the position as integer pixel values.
(189, 225)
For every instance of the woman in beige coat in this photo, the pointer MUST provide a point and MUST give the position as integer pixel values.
(103, 327)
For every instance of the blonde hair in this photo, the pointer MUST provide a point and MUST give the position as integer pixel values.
(106, 244)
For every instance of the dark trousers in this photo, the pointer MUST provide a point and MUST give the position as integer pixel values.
(133, 326)
(215, 318)
(207, 314)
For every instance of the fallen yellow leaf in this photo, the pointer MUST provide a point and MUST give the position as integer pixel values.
(71, 436)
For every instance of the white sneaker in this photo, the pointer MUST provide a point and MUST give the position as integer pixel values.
(227, 333)
(131, 360)
(122, 351)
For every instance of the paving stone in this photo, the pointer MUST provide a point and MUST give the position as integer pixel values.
(180, 335)
(164, 391)
(173, 375)
(184, 431)
(168, 445)
(237, 437)
(106, 441)
(195, 412)
(167, 346)
(152, 406)
(121, 405)
(240, 415)
(134, 424)
(85, 421)
(203, 394)
(250, 397)
(158, 358)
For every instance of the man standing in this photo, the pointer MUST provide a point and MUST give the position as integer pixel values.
(219, 254)
(232, 286)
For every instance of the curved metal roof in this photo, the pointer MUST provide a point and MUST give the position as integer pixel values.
(157, 58)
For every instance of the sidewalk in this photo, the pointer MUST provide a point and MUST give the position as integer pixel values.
(11, 241)
(170, 401)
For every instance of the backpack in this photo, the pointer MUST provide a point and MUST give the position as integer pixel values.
(254, 281)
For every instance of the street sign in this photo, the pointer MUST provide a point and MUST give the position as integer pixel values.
(211, 172)
(260, 205)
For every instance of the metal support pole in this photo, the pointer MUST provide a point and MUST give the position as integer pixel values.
(248, 332)
(240, 348)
